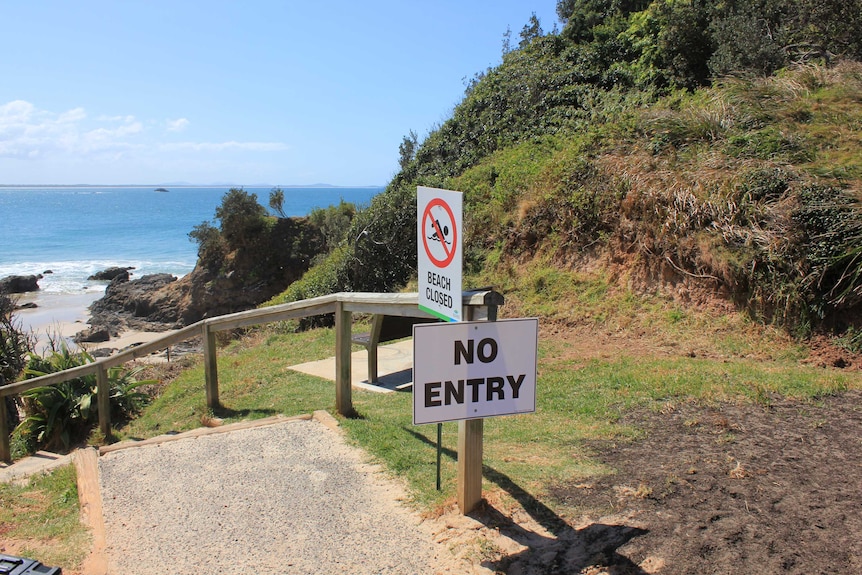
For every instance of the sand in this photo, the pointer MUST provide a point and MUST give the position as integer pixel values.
(64, 315)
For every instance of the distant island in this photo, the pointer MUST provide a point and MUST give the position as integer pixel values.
(162, 190)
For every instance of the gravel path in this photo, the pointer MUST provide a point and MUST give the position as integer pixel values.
(286, 498)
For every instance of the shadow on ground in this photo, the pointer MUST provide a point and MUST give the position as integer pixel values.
(546, 543)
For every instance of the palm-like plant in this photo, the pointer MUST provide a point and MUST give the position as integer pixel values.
(59, 415)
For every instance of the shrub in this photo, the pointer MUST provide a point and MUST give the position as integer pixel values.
(14, 346)
(58, 416)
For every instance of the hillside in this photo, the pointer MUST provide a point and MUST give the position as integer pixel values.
(664, 148)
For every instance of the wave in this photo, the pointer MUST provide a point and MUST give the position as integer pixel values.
(70, 277)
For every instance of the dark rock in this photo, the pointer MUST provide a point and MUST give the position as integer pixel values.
(28, 305)
(19, 284)
(96, 334)
(111, 274)
(103, 352)
(135, 305)
(46, 272)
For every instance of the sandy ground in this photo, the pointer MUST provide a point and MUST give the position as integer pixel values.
(64, 315)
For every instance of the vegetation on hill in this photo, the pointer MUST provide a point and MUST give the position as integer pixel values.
(681, 146)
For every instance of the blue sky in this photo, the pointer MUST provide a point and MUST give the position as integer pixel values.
(244, 93)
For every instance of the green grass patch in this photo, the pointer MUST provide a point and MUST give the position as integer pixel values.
(44, 516)
(254, 382)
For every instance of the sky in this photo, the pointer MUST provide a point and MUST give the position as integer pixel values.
(242, 93)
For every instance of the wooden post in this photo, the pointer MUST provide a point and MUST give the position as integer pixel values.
(343, 384)
(103, 398)
(471, 446)
(210, 367)
(5, 450)
(470, 443)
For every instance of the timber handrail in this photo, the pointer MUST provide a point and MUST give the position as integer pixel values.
(342, 304)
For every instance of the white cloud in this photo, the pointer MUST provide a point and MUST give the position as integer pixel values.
(226, 146)
(177, 125)
(27, 132)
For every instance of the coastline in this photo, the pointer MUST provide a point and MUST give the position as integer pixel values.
(64, 315)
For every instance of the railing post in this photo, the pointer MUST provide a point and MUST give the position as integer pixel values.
(5, 451)
(103, 399)
(343, 384)
(210, 367)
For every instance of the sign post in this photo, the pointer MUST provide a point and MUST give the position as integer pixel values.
(468, 371)
(440, 240)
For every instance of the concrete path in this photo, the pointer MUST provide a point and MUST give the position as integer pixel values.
(291, 497)
(394, 367)
(39, 462)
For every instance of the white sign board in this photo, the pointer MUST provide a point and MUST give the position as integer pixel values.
(472, 370)
(439, 239)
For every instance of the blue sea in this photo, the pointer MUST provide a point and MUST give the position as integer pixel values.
(76, 231)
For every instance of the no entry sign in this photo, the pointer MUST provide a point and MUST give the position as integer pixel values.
(471, 370)
(439, 238)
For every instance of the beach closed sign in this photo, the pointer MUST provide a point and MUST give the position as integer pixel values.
(439, 239)
(472, 370)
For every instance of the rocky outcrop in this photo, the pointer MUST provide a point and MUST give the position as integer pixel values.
(240, 280)
(20, 284)
(111, 273)
(160, 302)
(129, 305)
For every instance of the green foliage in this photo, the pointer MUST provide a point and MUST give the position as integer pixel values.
(276, 201)
(14, 343)
(831, 221)
(212, 249)
(241, 218)
(530, 31)
(263, 252)
(407, 149)
(763, 36)
(14, 347)
(605, 140)
(378, 254)
(58, 416)
(333, 222)
(328, 276)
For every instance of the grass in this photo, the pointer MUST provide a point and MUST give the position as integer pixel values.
(43, 516)
(254, 382)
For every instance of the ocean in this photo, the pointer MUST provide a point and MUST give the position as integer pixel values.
(76, 231)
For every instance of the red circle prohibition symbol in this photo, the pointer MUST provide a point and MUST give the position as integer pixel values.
(448, 250)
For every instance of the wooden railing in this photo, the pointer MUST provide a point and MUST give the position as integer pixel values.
(480, 304)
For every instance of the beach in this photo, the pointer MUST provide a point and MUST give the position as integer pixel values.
(61, 316)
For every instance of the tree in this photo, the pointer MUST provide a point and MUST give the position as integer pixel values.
(407, 149)
(507, 40)
(333, 222)
(531, 30)
(584, 18)
(276, 201)
(241, 217)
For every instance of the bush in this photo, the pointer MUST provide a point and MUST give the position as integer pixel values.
(14, 347)
(59, 416)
